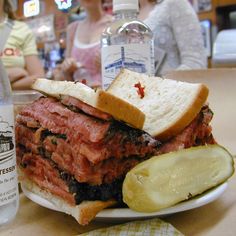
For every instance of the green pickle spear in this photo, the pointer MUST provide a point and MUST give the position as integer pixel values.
(164, 180)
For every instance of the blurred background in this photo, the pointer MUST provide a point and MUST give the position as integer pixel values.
(49, 19)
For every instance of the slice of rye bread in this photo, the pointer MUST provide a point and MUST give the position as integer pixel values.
(106, 102)
(169, 106)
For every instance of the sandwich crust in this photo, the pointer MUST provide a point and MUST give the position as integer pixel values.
(187, 116)
(120, 109)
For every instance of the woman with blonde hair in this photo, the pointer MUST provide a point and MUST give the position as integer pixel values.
(178, 39)
(19, 55)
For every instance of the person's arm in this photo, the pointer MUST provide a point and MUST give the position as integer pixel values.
(187, 32)
(33, 65)
(16, 73)
(65, 70)
(34, 70)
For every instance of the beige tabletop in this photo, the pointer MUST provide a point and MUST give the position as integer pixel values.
(217, 218)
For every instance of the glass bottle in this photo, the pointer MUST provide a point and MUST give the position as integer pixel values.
(9, 195)
(126, 43)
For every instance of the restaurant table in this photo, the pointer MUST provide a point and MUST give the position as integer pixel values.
(217, 218)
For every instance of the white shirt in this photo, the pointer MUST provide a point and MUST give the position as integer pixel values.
(178, 39)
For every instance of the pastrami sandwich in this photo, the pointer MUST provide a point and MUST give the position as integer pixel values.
(75, 146)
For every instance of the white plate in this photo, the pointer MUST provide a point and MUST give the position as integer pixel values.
(128, 214)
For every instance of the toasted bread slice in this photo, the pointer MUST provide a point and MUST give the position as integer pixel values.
(169, 105)
(106, 102)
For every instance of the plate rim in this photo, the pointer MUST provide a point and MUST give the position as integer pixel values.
(126, 213)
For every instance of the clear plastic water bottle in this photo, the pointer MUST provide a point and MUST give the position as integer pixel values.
(9, 195)
(126, 43)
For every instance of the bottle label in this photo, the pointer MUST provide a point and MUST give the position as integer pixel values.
(136, 57)
(8, 173)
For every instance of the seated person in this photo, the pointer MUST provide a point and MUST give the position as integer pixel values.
(19, 55)
(178, 41)
(83, 54)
